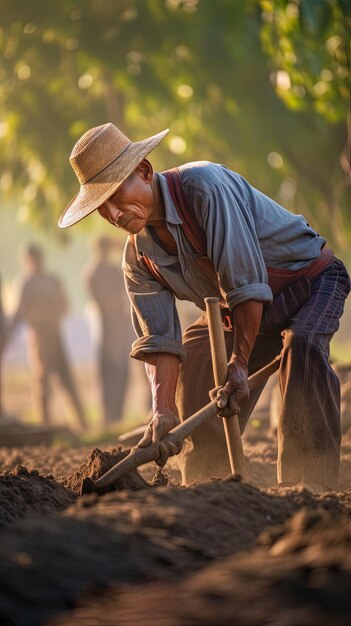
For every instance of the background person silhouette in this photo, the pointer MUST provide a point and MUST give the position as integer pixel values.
(42, 305)
(105, 284)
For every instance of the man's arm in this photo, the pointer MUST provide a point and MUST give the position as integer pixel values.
(246, 323)
(162, 370)
(154, 313)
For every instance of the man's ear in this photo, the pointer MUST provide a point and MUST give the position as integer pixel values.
(146, 170)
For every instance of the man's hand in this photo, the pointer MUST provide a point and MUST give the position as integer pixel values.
(235, 392)
(159, 426)
(246, 322)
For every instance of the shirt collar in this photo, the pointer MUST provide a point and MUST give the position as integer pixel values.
(170, 211)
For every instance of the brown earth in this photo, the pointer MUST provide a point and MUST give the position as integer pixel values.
(224, 552)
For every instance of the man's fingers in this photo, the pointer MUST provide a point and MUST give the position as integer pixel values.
(162, 459)
(144, 442)
(229, 411)
(166, 450)
(147, 438)
(227, 403)
(222, 398)
(174, 448)
(213, 393)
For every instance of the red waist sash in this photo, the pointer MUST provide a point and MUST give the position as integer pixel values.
(279, 279)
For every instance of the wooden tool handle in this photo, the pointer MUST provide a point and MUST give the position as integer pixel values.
(217, 341)
(220, 370)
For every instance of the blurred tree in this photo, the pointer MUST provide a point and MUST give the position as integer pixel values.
(197, 66)
(308, 42)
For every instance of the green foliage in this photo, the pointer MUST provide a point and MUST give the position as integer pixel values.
(308, 42)
(315, 16)
(206, 69)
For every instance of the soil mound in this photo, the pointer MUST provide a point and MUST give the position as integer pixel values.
(97, 464)
(133, 537)
(24, 492)
(299, 575)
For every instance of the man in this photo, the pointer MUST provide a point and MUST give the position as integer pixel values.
(105, 284)
(42, 305)
(203, 230)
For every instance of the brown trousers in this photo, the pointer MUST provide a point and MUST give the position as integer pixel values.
(299, 323)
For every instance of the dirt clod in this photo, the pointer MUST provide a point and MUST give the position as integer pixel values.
(160, 479)
(97, 464)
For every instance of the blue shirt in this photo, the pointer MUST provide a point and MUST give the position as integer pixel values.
(246, 232)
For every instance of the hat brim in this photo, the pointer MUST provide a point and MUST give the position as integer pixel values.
(98, 189)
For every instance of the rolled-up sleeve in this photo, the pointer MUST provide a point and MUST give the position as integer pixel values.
(154, 313)
(232, 243)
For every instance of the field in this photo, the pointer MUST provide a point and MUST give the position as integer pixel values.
(224, 552)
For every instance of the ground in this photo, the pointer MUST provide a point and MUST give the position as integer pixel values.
(224, 552)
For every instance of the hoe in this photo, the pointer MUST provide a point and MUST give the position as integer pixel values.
(140, 456)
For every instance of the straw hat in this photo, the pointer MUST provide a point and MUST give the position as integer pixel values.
(102, 159)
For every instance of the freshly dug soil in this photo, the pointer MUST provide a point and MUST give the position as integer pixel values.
(63, 462)
(24, 493)
(97, 464)
(48, 563)
(259, 446)
(169, 555)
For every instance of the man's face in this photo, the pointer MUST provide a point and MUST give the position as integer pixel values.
(130, 206)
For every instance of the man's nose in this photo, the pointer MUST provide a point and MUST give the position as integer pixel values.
(113, 211)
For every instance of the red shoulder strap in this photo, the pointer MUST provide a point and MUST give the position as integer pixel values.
(151, 267)
(191, 226)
